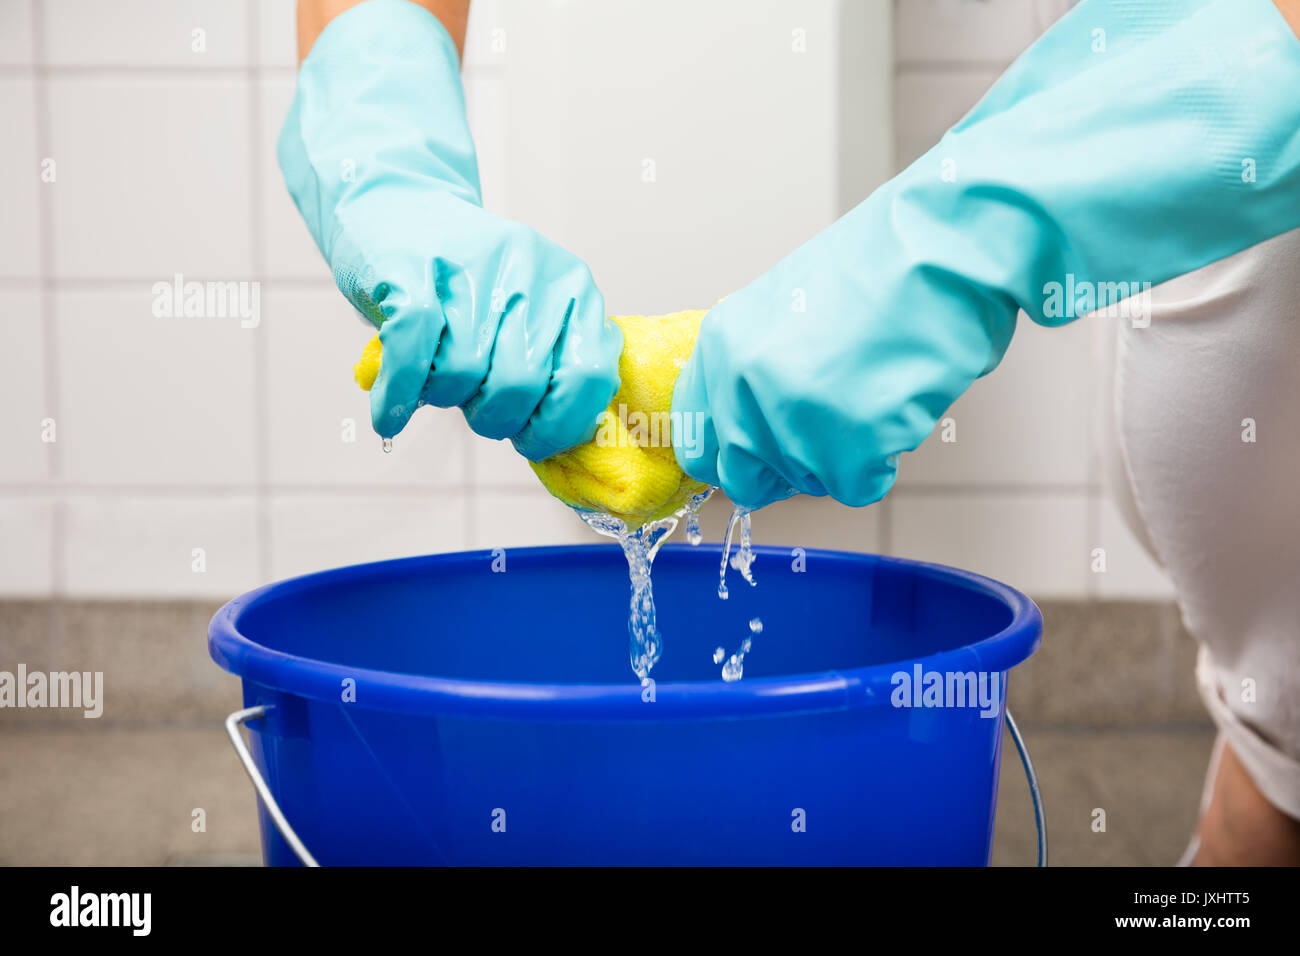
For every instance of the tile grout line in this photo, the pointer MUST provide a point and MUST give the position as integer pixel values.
(1092, 528)
(149, 71)
(1092, 508)
(949, 67)
(470, 475)
(885, 527)
(471, 494)
(123, 283)
(177, 71)
(261, 386)
(238, 490)
(45, 296)
(50, 340)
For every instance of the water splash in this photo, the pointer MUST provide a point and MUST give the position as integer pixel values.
(744, 559)
(734, 669)
(645, 645)
(693, 534)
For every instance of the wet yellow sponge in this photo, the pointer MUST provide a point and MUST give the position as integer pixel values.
(367, 370)
(628, 469)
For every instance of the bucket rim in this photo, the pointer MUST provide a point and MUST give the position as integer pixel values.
(429, 695)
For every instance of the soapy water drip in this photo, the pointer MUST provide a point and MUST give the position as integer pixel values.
(639, 547)
(744, 559)
(693, 534)
(734, 669)
(388, 445)
(645, 644)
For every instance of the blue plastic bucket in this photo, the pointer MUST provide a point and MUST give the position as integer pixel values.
(436, 710)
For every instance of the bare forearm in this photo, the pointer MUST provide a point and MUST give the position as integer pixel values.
(313, 15)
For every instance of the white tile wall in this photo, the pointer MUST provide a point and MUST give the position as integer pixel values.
(146, 401)
(948, 53)
(26, 457)
(136, 546)
(497, 466)
(277, 33)
(485, 101)
(486, 42)
(26, 540)
(311, 532)
(319, 419)
(16, 33)
(1025, 423)
(802, 522)
(1033, 542)
(288, 249)
(947, 32)
(177, 434)
(20, 170)
(523, 518)
(928, 101)
(739, 126)
(132, 33)
(153, 175)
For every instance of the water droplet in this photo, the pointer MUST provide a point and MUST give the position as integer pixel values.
(388, 445)
(734, 669)
(744, 558)
(693, 534)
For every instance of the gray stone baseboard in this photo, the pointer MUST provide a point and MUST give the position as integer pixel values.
(1102, 664)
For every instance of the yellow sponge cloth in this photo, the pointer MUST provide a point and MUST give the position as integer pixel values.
(628, 469)
(367, 370)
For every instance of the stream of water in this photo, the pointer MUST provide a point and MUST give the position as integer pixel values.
(645, 644)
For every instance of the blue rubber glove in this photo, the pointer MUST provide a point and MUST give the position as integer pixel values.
(1133, 143)
(473, 310)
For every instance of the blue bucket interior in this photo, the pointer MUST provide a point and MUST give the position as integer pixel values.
(560, 615)
(478, 688)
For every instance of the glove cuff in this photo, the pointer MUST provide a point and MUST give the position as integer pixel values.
(379, 99)
(1158, 151)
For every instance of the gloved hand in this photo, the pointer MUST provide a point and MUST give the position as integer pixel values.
(1134, 142)
(628, 469)
(472, 310)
